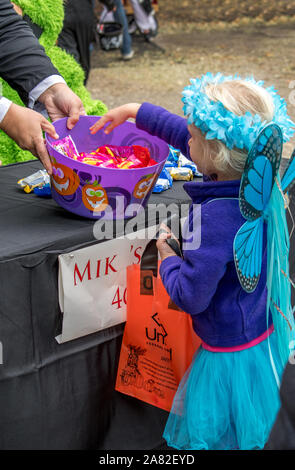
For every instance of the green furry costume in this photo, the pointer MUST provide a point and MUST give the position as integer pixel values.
(49, 15)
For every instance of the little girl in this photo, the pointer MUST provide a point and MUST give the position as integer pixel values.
(228, 399)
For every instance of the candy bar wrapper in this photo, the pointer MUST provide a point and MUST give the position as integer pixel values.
(169, 167)
(182, 173)
(101, 160)
(128, 164)
(186, 163)
(117, 152)
(152, 162)
(38, 179)
(108, 164)
(170, 164)
(107, 156)
(134, 162)
(142, 154)
(127, 156)
(173, 155)
(43, 191)
(67, 147)
(161, 185)
(118, 156)
(163, 182)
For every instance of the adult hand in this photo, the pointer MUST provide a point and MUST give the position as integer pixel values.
(60, 101)
(17, 9)
(116, 117)
(25, 127)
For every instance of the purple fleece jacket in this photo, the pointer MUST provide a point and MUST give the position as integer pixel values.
(205, 283)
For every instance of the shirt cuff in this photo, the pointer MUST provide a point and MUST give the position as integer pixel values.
(4, 107)
(43, 86)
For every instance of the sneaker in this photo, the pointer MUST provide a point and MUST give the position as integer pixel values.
(128, 56)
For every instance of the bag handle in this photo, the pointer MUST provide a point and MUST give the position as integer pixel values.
(148, 268)
(149, 259)
(149, 271)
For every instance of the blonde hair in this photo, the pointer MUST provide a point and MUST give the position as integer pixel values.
(237, 96)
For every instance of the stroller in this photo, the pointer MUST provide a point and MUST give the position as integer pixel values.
(141, 15)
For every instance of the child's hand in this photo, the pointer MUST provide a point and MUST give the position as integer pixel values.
(116, 117)
(164, 249)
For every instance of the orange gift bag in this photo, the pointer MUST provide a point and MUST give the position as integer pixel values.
(158, 341)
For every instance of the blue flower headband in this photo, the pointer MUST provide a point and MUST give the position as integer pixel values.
(217, 122)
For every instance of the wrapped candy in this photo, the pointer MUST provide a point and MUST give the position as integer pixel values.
(184, 162)
(97, 160)
(67, 147)
(108, 156)
(163, 182)
(161, 185)
(182, 173)
(38, 179)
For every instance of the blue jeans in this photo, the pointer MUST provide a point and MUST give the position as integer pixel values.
(120, 17)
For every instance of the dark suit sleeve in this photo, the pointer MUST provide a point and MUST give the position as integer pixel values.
(23, 62)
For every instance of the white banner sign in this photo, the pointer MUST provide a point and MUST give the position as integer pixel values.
(92, 284)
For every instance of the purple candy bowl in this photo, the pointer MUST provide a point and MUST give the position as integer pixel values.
(94, 192)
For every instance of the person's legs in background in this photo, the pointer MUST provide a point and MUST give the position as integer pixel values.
(120, 17)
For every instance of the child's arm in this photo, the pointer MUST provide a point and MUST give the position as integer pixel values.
(153, 119)
(167, 126)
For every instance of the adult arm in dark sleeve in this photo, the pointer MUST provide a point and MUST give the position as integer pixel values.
(23, 62)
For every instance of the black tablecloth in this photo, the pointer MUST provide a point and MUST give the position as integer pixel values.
(59, 396)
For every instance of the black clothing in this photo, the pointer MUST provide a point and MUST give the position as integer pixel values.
(78, 31)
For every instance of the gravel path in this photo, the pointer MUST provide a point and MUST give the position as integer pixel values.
(190, 49)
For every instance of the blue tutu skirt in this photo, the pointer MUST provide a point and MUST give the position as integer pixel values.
(226, 400)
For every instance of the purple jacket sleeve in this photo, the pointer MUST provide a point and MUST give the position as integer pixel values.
(192, 282)
(167, 126)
